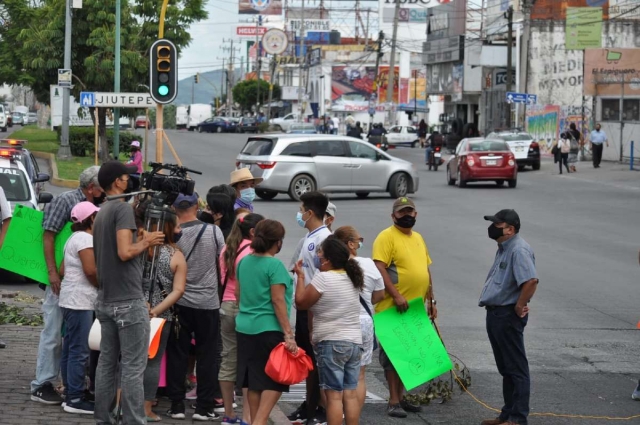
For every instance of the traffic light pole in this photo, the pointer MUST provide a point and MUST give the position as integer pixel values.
(116, 111)
(159, 107)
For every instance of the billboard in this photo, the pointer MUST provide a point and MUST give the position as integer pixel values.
(412, 16)
(352, 87)
(383, 84)
(260, 7)
(250, 31)
(417, 93)
(607, 72)
(557, 9)
(310, 25)
(584, 28)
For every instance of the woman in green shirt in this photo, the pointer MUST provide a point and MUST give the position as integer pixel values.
(265, 297)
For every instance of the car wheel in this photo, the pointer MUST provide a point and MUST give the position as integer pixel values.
(413, 145)
(199, 129)
(362, 195)
(300, 185)
(399, 185)
(536, 165)
(461, 183)
(513, 183)
(267, 195)
(278, 127)
(450, 181)
(190, 129)
(500, 182)
(219, 130)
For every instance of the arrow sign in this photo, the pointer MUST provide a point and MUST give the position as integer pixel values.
(532, 99)
(514, 97)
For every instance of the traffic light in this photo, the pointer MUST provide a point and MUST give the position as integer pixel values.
(196, 78)
(163, 71)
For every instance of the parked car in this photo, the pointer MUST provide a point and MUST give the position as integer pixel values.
(247, 125)
(296, 164)
(142, 122)
(480, 159)
(17, 118)
(525, 149)
(303, 128)
(15, 182)
(3, 119)
(32, 118)
(285, 122)
(216, 125)
(400, 135)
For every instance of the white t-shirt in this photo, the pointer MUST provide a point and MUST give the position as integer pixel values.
(336, 315)
(76, 292)
(372, 282)
(5, 207)
(311, 243)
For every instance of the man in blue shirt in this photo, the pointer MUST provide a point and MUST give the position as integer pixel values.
(509, 287)
(597, 139)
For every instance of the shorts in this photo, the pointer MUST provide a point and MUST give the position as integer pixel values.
(338, 364)
(384, 361)
(366, 324)
(303, 338)
(253, 355)
(229, 365)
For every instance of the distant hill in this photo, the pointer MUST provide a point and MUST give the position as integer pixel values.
(205, 91)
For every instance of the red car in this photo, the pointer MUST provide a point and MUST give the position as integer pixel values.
(141, 122)
(480, 159)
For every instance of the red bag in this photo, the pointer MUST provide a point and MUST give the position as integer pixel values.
(287, 368)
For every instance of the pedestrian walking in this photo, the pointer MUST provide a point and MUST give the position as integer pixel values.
(422, 132)
(335, 121)
(372, 293)
(562, 149)
(199, 314)
(238, 246)
(508, 289)
(56, 214)
(403, 259)
(576, 143)
(120, 307)
(597, 139)
(5, 219)
(244, 183)
(355, 131)
(265, 298)
(78, 294)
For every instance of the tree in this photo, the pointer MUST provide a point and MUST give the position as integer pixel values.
(246, 93)
(40, 44)
(168, 117)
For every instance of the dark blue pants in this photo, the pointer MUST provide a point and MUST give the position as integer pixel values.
(75, 350)
(506, 334)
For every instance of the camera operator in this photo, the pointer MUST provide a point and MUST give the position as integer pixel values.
(121, 306)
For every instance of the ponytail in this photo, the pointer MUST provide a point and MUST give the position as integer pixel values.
(354, 271)
(337, 253)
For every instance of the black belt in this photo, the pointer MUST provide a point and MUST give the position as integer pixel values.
(497, 307)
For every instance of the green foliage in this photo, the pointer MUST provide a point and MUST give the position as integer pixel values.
(246, 93)
(168, 117)
(82, 140)
(11, 314)
(443, 388)
(263, 127)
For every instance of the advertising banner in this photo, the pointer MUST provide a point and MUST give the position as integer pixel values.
(412, 16)
(417, 93)
(260, 7)
(310, 25)
(458, 81)
(351, 87)
(584, 28)
(250, 31)
(606, 71)
(557, 9)
(383, 84)
(440, 78)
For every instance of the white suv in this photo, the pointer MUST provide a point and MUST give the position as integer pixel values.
(3, 119)
(285, 122)
(16, 183)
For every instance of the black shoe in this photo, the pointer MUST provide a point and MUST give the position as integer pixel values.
(203, 416)
(299, 416)
(89, 396)
(321, 416)
(2, 344)
(410, 407)
(79, 406)
(396, 411)
(46, 394)
(177, 410)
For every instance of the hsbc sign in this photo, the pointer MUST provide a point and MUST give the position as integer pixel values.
(414, 3)
(251, 31)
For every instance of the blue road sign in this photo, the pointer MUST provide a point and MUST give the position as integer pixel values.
(87, 99)
(513, 97)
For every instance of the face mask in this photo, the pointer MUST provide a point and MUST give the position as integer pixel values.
(495, 232)
(177, 236)
(406, 222)
(316, 262)
(359, 245)
(300, 220)
(279, 247)
(99, 200)
(248, 195)
(130, 186)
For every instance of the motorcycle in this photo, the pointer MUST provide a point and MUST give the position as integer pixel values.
(435, 158)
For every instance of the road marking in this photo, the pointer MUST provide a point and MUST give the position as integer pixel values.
(298, 392)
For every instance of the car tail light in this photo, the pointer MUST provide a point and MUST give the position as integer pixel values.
(237, 164)
(471, 161)
(534, 145)
(266, 165)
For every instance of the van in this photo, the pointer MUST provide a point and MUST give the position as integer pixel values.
(182, 117)
(198, 112)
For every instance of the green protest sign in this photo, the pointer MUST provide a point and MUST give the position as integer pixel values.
(22, 251)
(412, 344)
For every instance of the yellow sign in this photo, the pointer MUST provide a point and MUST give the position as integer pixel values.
(342, 48)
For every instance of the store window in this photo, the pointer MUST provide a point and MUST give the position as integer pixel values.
(631, 109)
(610, 109)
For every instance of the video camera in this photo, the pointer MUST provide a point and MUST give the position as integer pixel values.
(169, 185)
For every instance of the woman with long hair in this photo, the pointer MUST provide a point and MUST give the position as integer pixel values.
(372, 293)
(333, 298)
(237, 247)
(78, 295)
(422, 132)
(266, 293)
(220, 207)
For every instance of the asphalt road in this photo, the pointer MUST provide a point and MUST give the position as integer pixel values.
(582, 340)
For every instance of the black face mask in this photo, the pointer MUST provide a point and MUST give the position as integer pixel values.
(177, 236)
(100, 199)
(495, 232)
(406, 222)
(279, 247)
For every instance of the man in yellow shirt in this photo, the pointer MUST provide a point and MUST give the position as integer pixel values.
(403, 259)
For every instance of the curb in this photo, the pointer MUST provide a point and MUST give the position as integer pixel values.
(55, 180)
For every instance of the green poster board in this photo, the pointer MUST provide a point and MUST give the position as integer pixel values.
(23, 251)
(412, 344)
(583, 28)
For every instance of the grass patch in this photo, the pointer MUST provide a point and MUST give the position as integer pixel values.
(39, 139)
(70, 169)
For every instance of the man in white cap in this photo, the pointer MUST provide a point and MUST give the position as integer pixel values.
(244, 183)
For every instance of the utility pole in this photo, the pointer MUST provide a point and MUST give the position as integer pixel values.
(258, 61)
(272, 70)
(392, 63)
(230, 74)
(222, 75)
(116, 111)
(300, 55)
(375, 82)
(509, 15)
(64, 152)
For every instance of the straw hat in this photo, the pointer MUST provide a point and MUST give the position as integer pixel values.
(243, 175)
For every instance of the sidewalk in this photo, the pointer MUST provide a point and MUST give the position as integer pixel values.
(613, 174)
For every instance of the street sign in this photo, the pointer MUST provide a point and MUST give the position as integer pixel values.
(513, 97)
(275, 41)
(116, 100)
(64, 77)
(250, 31)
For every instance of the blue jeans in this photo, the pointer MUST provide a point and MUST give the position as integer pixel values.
(338, 364)
(50, 346)
(75, 350)
(125, 332)
(427, 152)
(506, 334)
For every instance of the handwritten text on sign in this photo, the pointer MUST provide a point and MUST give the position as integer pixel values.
(22, 251)
(412, 344)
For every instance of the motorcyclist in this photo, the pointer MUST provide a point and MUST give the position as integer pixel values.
(435, 139)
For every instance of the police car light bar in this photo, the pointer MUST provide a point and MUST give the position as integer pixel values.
(13, 142)
(7, 153)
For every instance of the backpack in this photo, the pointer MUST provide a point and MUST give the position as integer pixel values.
(575, 145)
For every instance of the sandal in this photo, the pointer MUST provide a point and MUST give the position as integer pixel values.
(152, 419)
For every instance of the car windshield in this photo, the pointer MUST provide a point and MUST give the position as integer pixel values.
(515, 137)
(15, 185)
(488, 145)
(258, 147)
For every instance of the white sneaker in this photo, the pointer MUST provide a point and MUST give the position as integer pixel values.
(205, 416)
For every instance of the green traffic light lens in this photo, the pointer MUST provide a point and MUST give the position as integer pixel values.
(163, 90)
